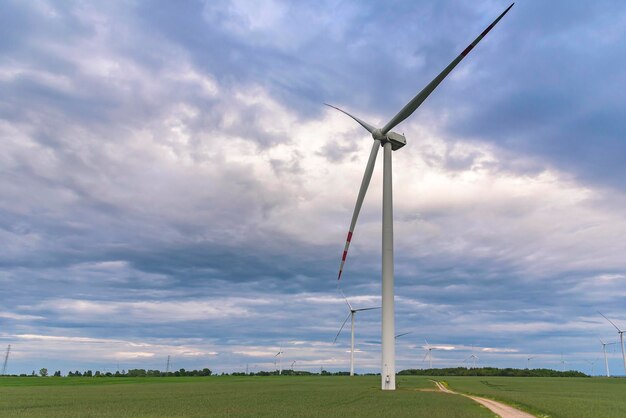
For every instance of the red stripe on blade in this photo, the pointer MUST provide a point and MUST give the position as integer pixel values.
(349, 236)
(345, 254)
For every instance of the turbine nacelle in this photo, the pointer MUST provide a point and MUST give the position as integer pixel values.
(397, 141)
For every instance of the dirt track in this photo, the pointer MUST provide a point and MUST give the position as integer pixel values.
(505, 411)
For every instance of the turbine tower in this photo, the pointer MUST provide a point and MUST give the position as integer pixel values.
(528, 362)
(606, 361)
(392, 141)
(351, 316)
(621, 339)
(6, 360)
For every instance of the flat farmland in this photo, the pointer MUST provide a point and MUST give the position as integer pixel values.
(228, 396)
(552, 397)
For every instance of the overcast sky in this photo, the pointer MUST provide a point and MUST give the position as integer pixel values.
(172, 184)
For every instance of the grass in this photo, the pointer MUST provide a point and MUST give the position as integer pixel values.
(550, 397)
(274, 396)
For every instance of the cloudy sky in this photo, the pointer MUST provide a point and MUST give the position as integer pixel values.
(172, 184)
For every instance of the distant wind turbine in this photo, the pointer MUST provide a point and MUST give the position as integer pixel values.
(392, 141)
(621, 338)
(606, 361)
(528, 362)
(474, 358)
(351, 316)
(592, 363)
(279, 356)
(429, 354)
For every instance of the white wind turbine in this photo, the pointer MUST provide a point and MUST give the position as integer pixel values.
(606, 361)
(592, 363)
(392, 141)
(351, 316)
(528, 362)
(621, 339)
(473, 357)
(279, 356)
(429, 354)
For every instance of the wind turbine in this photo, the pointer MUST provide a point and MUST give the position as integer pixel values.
(621, 338)
(279, 355)
(351, 316)
(592, 363)
(392, 141)
(528, 362)
(606, 362)
(429, 354)
(474, 358)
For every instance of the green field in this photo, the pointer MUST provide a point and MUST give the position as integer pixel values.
(300, 396)
(550, 396)
(275, 396)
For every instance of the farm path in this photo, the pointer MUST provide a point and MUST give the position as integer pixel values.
(504, 411)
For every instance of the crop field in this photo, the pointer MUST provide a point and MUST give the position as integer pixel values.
(550, 397)
(300, 396)
(228, 396)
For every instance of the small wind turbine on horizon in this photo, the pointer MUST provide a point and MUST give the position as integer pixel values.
(351, 316)
(621, 338)
(592, 363)
(392, 141)
(562, 363)
(279, 356)
(606, 361)
(429, 354)
(528, 362)
(474, 357)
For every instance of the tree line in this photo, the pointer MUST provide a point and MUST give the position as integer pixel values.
(456, 371)
(491, 371)
(130, 373)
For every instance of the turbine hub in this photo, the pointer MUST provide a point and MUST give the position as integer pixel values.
(377, 134)
(397, 141)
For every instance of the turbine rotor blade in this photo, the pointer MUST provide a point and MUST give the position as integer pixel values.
(346, 299)
(403, 334)
(364, 124)
(340, 329)
(367, 176)
(366, 309)
(618, 330)
(410, 107)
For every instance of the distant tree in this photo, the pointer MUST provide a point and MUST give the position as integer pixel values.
(77, 373)
(33, 373)
(57, 373)
(88, 373)
(97, 373)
